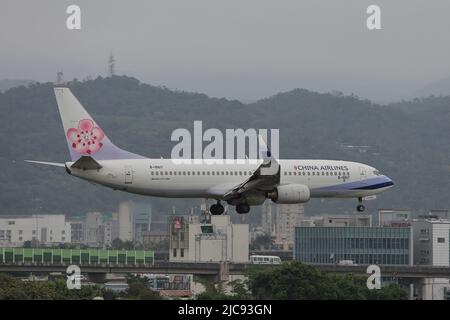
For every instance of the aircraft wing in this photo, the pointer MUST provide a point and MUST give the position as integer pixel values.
(265, 178)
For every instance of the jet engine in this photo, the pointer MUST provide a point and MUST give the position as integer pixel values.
(290, 193)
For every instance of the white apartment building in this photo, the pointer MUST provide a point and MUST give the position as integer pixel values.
(47, 229)
(218, 241)
(126, 221)
(431, 242)
(288, 217)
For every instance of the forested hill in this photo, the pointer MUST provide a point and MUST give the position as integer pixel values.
(408, 141)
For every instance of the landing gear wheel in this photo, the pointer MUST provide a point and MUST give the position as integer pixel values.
(360, 208)
(242, 208)
(216, 209)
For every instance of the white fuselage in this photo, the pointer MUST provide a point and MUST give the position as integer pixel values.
(165, 178)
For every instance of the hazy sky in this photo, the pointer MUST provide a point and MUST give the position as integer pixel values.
(243, 49)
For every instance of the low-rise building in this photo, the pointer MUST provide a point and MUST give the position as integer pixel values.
(95, 231)
(215, 242)
(45, 229)
(343, 220)
(78, 231)
(154, 237)
(360, 245)
(431, 242)
(393, 217)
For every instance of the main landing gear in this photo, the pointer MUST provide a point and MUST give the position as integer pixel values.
(217, 209)
(242, 208)
(360, 207)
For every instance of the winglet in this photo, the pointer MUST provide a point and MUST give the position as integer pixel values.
(264, 152)
(270, 165)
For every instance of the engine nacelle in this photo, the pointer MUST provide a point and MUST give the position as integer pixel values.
(290, 193)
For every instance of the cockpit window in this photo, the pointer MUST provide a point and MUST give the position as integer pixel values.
(377, 173)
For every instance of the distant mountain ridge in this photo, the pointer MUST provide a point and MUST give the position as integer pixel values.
(437, 88)
(7, 84)
(409, 141)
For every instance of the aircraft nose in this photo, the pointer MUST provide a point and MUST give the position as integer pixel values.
(388, 181)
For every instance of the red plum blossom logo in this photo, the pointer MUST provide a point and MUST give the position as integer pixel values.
(86, 139)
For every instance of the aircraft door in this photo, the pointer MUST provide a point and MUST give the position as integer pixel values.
(128, 175)
(362, 173)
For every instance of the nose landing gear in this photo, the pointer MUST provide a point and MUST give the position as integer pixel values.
(360, 207)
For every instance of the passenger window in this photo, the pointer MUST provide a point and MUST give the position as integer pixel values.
(189, 173)
(157, 173)
(166, 173)
(184, 173)
(290, 173)
(198, 173)
(207, 172)
(151, 173)
(226, 172)
(213, 173)
(313, 173)
(309, 173)
(285, 173)
(174, 173)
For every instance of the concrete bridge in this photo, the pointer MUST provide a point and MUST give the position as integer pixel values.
(216, 271)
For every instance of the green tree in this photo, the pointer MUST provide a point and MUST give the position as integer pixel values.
(295, 280)
(239, 290)
(15, 289)
(138, 289)
(117, 244)
(213, 292)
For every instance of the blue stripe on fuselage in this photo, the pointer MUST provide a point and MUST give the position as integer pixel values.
(368, 184)
(375, 186)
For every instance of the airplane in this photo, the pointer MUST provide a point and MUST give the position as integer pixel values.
(96, 159)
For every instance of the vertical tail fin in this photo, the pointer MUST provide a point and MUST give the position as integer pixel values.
(84, 136)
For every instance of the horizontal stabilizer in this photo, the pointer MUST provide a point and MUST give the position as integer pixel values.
(55, 164)
(86, 163)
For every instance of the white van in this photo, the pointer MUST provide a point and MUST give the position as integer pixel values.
(265, 259)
